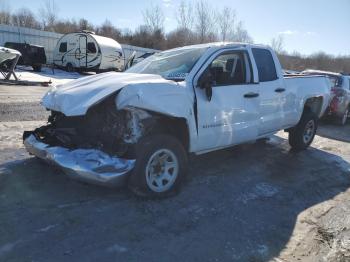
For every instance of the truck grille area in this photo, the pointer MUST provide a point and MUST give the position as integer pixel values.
(102, 128)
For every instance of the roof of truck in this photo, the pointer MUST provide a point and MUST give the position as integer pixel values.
(219, 44)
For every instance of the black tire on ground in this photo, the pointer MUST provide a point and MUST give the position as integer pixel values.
(69, 68)
(302, 135)
(37, 68)
(342, 120)
(170, 152)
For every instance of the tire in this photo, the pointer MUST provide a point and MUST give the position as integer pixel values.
(37, 68)
(150, 178)
(344, 118)
(69, 68)
(302, 135)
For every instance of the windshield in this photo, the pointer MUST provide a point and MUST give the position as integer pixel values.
(169, 64)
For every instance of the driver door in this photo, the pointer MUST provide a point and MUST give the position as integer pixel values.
(231, 116)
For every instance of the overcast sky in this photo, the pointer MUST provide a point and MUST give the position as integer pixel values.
(308, 26)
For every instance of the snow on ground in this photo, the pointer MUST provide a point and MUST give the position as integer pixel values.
(57, 76)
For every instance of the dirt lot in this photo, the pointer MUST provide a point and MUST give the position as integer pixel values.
(256, 202)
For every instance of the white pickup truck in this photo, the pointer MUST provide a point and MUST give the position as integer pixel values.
(138, 127)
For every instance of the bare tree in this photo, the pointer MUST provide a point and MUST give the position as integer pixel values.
(184, 16)
(5, 12)
(241, 34)
(225, 21)
(25, 17)
(66, 26)
(183, 34)
(85, 25)
(109, 30)
(204, 21)
(277, 44)
(49, 14)
(154, 18)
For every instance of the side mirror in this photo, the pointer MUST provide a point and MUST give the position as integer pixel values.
(205, 82)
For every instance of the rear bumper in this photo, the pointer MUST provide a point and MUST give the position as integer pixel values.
(88, 165)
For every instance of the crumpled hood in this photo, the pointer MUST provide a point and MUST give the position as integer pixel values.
(76, 97)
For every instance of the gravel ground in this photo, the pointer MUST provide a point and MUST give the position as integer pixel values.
(255, 202)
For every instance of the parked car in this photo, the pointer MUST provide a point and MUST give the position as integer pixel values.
(138, 127)
(339, 107)
(32, 55)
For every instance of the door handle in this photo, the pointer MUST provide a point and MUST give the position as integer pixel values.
(280, 90)
(251, 95)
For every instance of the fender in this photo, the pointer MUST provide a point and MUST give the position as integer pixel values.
(173, 101)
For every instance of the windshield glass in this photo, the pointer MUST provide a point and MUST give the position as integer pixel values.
(169, 64)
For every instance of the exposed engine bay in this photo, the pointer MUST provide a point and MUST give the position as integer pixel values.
(103, 127)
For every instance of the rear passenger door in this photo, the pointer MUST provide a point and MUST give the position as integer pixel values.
(271, 90)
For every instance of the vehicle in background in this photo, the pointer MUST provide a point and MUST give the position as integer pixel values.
(290, 72)
(138, 127)
(8, 61)
(32, 55)
(339, 107)
(8, 54)
(142, 57)
(86, 51)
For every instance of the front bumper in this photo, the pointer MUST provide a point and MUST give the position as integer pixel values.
(88, 165)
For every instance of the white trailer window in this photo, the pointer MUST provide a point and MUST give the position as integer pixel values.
(91, 48)
(63, 47)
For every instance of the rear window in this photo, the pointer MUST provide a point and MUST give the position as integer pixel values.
(265, 64)
(63, 47)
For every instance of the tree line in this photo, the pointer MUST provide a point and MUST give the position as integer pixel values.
(197, 22)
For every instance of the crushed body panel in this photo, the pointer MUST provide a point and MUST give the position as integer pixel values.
(76, 97)
(89, 165)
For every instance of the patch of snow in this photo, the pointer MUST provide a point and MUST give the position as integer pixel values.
(56, 76)
(7, 248)
(261, 190)
(45, 229)
(117, 248)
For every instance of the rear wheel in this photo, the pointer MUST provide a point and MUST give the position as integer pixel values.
(302, 135)
(69, 68)
(344, 118)
(160, 168)
(37, 68)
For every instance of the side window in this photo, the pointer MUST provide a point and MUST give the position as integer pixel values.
(91, 48)
(229, 69)
(265, 64)
(63, 47)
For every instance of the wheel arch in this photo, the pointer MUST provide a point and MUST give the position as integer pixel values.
(164, 124)
(314, 104)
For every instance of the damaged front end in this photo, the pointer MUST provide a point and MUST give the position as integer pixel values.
(97, 147)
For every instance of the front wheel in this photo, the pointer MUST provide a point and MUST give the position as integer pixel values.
(160, 168)
(302, 135)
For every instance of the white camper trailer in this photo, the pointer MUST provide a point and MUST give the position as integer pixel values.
(85, 51)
